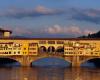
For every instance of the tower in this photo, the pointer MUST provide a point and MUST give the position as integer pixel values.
(5, 33)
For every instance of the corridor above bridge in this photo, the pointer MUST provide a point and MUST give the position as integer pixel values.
(74, 50)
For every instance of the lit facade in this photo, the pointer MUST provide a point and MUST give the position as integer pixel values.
(32, 46)
(65, 48)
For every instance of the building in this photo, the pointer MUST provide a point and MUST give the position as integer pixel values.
(26, 50)
(5, 33)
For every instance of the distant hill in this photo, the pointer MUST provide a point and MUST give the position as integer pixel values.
(43, 36)
(94, 35)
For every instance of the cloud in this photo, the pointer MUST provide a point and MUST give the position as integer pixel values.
(73, 30)
(22, 12)
(87, 31)
(17, 30)
(90, 15)
(22, 31)
(52, 31)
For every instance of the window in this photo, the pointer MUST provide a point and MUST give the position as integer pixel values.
(19, 48)
(91, 52)
(18, 52)
(60, 42)
(96, 53)
(24, 52)
(30, 52)
(33, 52)
(51, 42)
(16, 45)
(42, 42)
(32, 44)
(6, 52)
(24, 48)
(9, 48)
(10, 44)
(14, 48)
(14, 52)
(32, 48)
(10, 52)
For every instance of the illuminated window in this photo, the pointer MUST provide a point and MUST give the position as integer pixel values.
(16, 45)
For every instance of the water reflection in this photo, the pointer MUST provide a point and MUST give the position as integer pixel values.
(50, 74)
(27, 73)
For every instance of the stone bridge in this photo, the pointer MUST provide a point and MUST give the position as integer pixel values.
(26, 51)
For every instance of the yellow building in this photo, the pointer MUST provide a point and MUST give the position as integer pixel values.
(5, 33)
(33, 46)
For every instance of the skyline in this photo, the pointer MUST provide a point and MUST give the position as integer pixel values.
(53, 18)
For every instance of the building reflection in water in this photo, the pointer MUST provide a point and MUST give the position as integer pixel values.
(50, 74)
(27, 73)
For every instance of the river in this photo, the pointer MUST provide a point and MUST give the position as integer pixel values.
(54, 73)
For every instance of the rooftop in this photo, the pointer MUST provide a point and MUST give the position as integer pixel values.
(14, 38)
(3, 30)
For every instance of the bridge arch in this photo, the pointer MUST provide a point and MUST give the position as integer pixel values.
(91, 59)
(8, 60)
(42, 49)
(52, 60)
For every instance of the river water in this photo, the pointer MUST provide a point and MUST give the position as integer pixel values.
(46, 73)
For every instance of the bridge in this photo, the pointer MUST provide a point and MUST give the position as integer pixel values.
(27, 50)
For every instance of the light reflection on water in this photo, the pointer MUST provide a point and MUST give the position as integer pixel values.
(28, 73)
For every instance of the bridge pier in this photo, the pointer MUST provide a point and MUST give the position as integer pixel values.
(75, 61)
(25, 61)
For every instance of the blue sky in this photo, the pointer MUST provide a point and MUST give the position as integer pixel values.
(56, 18)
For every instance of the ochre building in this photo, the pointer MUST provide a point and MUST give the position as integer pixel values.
(25, 50)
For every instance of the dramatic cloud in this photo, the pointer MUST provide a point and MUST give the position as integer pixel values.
(74, 30)
(90, 15)
(21, 12)
(50, 31)
(19, 30)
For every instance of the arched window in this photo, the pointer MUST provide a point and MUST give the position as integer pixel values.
(51, 49)
(42, 49)
(60, 49)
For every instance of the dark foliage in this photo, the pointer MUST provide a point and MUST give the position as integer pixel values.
(95, 35)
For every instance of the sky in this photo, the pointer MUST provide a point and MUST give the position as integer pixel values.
(50, 18)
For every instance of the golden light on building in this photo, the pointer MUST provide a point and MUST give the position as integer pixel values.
(26, 50)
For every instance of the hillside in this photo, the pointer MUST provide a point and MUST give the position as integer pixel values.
(94, 35)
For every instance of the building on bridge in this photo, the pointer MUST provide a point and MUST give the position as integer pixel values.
(26, 50)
